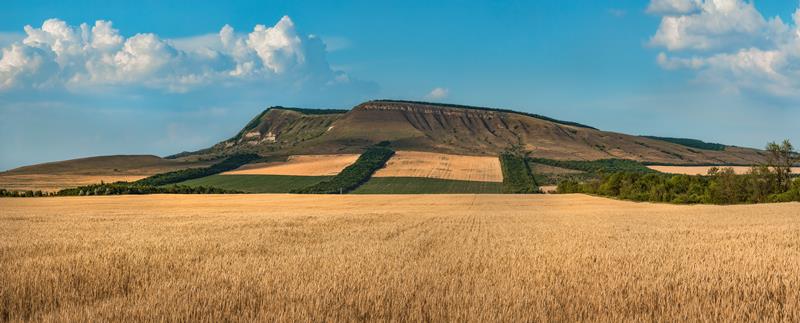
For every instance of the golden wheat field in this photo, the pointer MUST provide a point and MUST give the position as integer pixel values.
(443, 166)
(300, 165)
(395, 258)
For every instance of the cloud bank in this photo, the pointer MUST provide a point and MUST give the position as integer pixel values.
(84, 58)
(730, 44)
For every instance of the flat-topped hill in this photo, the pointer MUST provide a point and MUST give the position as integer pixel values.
(456, 129)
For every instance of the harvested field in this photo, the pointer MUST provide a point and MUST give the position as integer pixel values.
(50, 183)
(395, 258)
(703, 170)
(442, 166)
(299, 165)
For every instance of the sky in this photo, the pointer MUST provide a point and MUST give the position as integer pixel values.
(86, 78)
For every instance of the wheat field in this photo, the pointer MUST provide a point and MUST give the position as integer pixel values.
(442, 166)
(395, 258)
(299, 165)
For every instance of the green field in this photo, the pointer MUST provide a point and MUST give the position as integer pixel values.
(420, 185)
(257, 183)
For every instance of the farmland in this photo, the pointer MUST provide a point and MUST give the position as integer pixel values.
(398, 258)
(421, 185)
(442, 166)
(300, 165)
(256, 183)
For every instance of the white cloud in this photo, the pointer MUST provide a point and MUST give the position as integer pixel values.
(438, 94)
(8, 38)
(672, 6)
(717, 24)
(80, 57)
(729, 43)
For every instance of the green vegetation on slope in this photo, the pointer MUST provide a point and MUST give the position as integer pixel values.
(421, 185)
(537, 116)
(693, 143)
(230, 163)
(257, 183)
(596, 166)
(257, 120)
(354, 175)
(517, 176)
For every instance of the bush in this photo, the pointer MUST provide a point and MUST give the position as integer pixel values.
(720, 187)
(517, 175)
(352, 176)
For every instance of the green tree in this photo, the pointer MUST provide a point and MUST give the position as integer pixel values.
(781, 158)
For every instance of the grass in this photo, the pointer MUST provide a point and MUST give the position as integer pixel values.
(421, 185)
(257, 183)
(488, 258)
(595, 166)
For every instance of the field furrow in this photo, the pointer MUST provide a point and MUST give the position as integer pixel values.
(395, 258)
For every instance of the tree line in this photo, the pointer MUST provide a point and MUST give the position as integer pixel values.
(769, 182)
(517, 175)
(124, 188)
(230, 163)
(354, 175)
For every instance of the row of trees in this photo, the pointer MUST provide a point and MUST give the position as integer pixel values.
(517, 175)
(123, 188)
(23, 193)
(771, 182)
(354, 175)
(230, 163)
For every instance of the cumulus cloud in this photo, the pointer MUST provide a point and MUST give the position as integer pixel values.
(438, 94)
(672, 6)
(58, 55)
(731, 44)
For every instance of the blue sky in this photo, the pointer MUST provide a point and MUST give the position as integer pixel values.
(157, 77)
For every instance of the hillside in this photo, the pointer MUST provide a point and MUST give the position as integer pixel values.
(84, 171)
(454, 129)
(104, 165)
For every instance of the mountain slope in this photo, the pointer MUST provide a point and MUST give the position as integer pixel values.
(455, 129)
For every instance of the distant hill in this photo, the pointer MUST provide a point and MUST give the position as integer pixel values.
(104, 165)
(414, 126)
(456, 129)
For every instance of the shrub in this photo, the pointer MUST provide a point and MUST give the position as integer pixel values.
(719, 187)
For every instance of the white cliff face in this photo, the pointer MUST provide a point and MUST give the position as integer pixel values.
(269, 137)
(255, 138)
